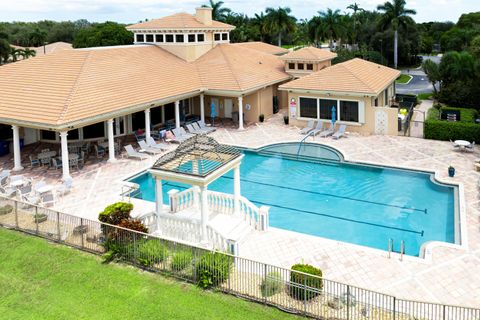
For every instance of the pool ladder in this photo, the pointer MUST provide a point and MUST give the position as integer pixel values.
(303, 142)
(390, 248)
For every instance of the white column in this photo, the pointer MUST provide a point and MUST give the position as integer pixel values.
(236, 189)
(17, 157)
(158, 200)
(111, 141)
(202, 107)
(240, 113)
(147, 123)
(177, 114)
(204, 212)
(65, 164)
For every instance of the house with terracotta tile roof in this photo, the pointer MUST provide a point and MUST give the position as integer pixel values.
(181, 67)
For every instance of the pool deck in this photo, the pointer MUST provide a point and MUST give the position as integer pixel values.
(451, 277)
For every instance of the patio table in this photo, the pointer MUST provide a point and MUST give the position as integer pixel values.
(462, 143)
(17, 183)
(48, 154)
(45, 189)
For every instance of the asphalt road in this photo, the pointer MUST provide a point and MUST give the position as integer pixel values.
(419, 82)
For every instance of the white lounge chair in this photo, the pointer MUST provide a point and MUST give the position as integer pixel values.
(318, 129)
(153, 144)
(185, 133)
(308, 128)
(192, 130)
(65, 187)
(179, 137)
(199, 130)
(131, 153)
(48, 200)
(328, 132)
(340, 133)
(8, 191)
(31, 199)
(204, 127)
(144, 147)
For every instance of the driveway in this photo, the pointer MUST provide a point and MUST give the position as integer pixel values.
(418, 84)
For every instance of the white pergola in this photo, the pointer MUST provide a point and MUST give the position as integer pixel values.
(110, 135)
(198, 162)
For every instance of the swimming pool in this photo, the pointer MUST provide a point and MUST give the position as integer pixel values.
(313, 191)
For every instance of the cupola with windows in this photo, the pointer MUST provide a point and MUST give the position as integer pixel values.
(307, 60)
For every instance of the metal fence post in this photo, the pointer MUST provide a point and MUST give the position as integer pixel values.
(348, 302)
(16, 214)
(194, 264)
(305, 294)
(265, 282)
(444, 312)
(58, 227)
(81, 233)
(36, 220)
(135, 248)
(394, 308)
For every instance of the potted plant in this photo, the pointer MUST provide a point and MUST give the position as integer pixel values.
(285, 119)
(39, 217)
(451, 171)
(261, 117)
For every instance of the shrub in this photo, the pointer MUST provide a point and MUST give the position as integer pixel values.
(115, 213)
(151, 252)
(133, 224)
(299, 280)
(212, 269)
(6, 209)
(433, 114)
(181, 259)
(272, 284)
(445, 130)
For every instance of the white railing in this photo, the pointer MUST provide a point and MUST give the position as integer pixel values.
(217, 240)
(149, 220)
(221, 202)
(181, 200)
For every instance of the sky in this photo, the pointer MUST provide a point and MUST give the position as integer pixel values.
(130, 11)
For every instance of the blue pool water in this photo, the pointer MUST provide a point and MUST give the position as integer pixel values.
(364, 205)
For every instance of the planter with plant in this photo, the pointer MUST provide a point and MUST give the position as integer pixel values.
(261, 117)
(39, 217)
(285, 119)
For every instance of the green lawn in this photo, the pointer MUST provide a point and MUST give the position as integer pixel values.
(424, 96)
(404, 78)
(40, 280)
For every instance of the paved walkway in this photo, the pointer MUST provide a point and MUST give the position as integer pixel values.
(451, 277)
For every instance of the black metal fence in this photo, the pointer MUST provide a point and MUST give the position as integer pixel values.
(286, 289)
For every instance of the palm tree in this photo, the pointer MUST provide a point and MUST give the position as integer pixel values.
(316, 30)
(395, 15)
(356, 8)
(4, 50)
(334, 28)
(260, 23)
(218, 13)
(15, 53)
(279, 21)
(27, 53)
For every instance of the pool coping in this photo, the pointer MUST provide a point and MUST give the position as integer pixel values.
(427, 248)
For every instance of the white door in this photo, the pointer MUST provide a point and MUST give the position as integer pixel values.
(228, 108)
(119, 126)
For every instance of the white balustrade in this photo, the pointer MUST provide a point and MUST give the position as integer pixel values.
(181, 200)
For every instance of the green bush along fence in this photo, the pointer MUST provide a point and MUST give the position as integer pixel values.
(290, 290)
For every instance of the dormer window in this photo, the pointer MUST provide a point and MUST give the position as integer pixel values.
(309, 66)
(179, 38)
(191, 38)
(140, 38)
(169, 38)
(149, 37)
(300, 66)
(200, 37)
(291, 66)
(159, 38)
(217, 36)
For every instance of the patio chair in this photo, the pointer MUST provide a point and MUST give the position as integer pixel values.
(204, 127)
(455, 146)
(24, 190)
(471, 147)
(99, 151)
(131, 153)
(17, 178)
(45, 161)
(3, 180)
(56, 164)
(65, 187)
(185, 133)
(178, 136)
(5, 173)
(191, 129)
(139, 135)
(73, 163)
(144, 147)
(39, 185)
(81, 159)
(199, 130)
(328, 132)
(318, 129)
(308, 128)
(34, 161)
(160, 145)
(30, 199)
(47, 199)
(8, 191)
(340, 133)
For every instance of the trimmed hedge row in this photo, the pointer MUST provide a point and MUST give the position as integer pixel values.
(466, 115)
(445, 130)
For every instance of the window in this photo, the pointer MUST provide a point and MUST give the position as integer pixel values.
(376, 102)
(309, 66)
(169, 38)
(179, 37)
(291, 66)
(326, 106)
(47, 135)
(140, 38)
(73, 134)
(149, 37)
(386, 97)
(224, 36)
(191, 38)
(308, 107)
(200, 37)
(216, 36)
(349, 111)
(159, 38)
(93, 131)
(300, 66)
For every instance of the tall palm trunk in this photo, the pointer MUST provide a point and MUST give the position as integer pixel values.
(279, 39)
(395, 49)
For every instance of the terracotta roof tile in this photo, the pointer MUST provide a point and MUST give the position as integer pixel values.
(179, 21)
(356, 75)
(309, 53)
(262, 47)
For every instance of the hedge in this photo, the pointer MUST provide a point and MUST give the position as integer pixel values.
(466, 115)
(298, 281)
(445, 130)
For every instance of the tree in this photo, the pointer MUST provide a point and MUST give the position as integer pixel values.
(4, 50)
(15, 53)
(38, 37)
(316, 30)
(218, 13)
(355, 8)
(27, 53)
(334, 28)
(103, 34)
(475, 47)
(279, 21)
(432, 71)
(259, 22)
(395, 15)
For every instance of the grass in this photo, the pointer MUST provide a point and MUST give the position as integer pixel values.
(403, 79)
(40, 280)
(424, 96)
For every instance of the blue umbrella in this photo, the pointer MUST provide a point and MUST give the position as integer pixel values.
(213, 114)
(334, 115)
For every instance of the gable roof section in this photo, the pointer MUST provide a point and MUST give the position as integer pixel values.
(263, 47)
(225, 68)
(309, 54)
(178, 21)
(353, 76)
